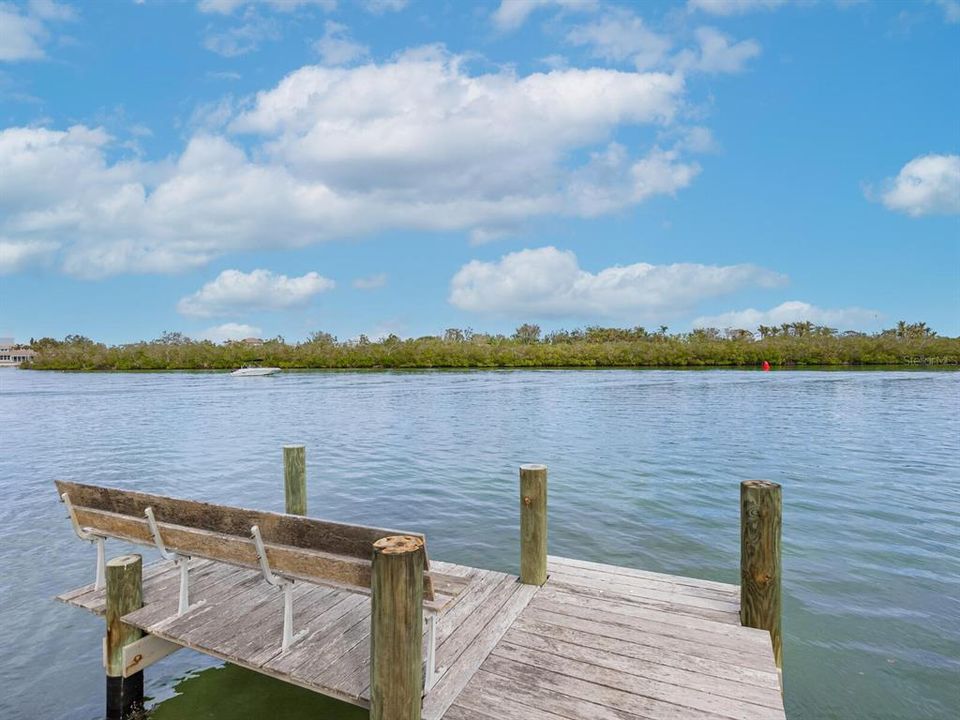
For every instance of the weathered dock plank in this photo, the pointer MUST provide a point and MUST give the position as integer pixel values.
(556, 563)
(157, 578)
(608, 643)
(596, 642)
(660, 601)
(693, 599)
(458, 670)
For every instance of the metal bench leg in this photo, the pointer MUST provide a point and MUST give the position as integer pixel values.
(276, 581)
(100, 580)
(184, 562)
(431, 676)
(287, 617)
(181, 560)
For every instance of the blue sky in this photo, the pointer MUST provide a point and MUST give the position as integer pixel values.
(230, 168)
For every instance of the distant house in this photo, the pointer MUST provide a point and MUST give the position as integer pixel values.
(11, 355)
(252, 341)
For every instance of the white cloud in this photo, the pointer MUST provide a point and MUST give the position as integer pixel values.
(697, 139)
(23, 32)
(227, 7)
(230, 331)
(511, 14)
(951, 10)
(621, 35)
(15, 256)
(51, 10)
(421, 126)
(547, 282)
(927, 185)
(484, 235)
(733, 7)
(717, 53)
(555, 62)
(21, 36)
(255, 27)
(417, 143)
(210, 117)
(660, 173)
(612, 180)
(336, 47)
(241, 39)
(792, 311)
(221, 7)
(371, 282)
(233, 291)
(223, 75)
(379, 7)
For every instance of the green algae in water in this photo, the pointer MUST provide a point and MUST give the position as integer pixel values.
(234, 692)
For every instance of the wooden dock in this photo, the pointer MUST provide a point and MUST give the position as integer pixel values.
(362, 614)
(594, 642)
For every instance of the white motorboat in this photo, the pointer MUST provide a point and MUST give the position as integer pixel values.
(255, 371)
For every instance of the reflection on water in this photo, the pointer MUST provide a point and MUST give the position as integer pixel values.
(644, 472)
(232, 692)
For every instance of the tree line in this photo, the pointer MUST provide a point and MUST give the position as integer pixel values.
(789, 344)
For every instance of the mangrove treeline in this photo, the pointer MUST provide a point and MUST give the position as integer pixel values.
(791, 344)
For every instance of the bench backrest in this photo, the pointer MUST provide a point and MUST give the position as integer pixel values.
(309, 549)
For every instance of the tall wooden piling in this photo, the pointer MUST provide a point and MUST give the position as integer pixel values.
(533, 524)
(760, 523)
(396, 628)
(124, 595)
(295, 479)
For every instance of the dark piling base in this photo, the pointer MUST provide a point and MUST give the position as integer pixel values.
(124, 696)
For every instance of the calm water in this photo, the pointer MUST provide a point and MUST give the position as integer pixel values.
(644, 471)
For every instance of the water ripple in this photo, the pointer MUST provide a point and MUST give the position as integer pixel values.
(644, 468)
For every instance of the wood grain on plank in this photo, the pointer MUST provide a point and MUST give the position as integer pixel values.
(639, 610)
(206, 583)
(296, 562)
(554, 560)
(657, 601)
(675, 595)
(662, 642)
(609, 696)
(589, 635)
(746, 643)
(523, 695)
(458, 671)
(584, 668)
(277, 528)
(458, 712)
(619, 656)
(498, 699)
(311, 649)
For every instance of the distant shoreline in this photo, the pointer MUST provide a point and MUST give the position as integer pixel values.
(912, 346)
(899, 367)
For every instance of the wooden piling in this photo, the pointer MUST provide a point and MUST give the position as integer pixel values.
(533, 524)
(295, 479)
(760, 523)
(124, 595)
(396, 628)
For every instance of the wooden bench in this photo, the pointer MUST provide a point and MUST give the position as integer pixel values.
(285, 548)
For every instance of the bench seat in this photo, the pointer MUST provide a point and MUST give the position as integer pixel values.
(300, 548)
